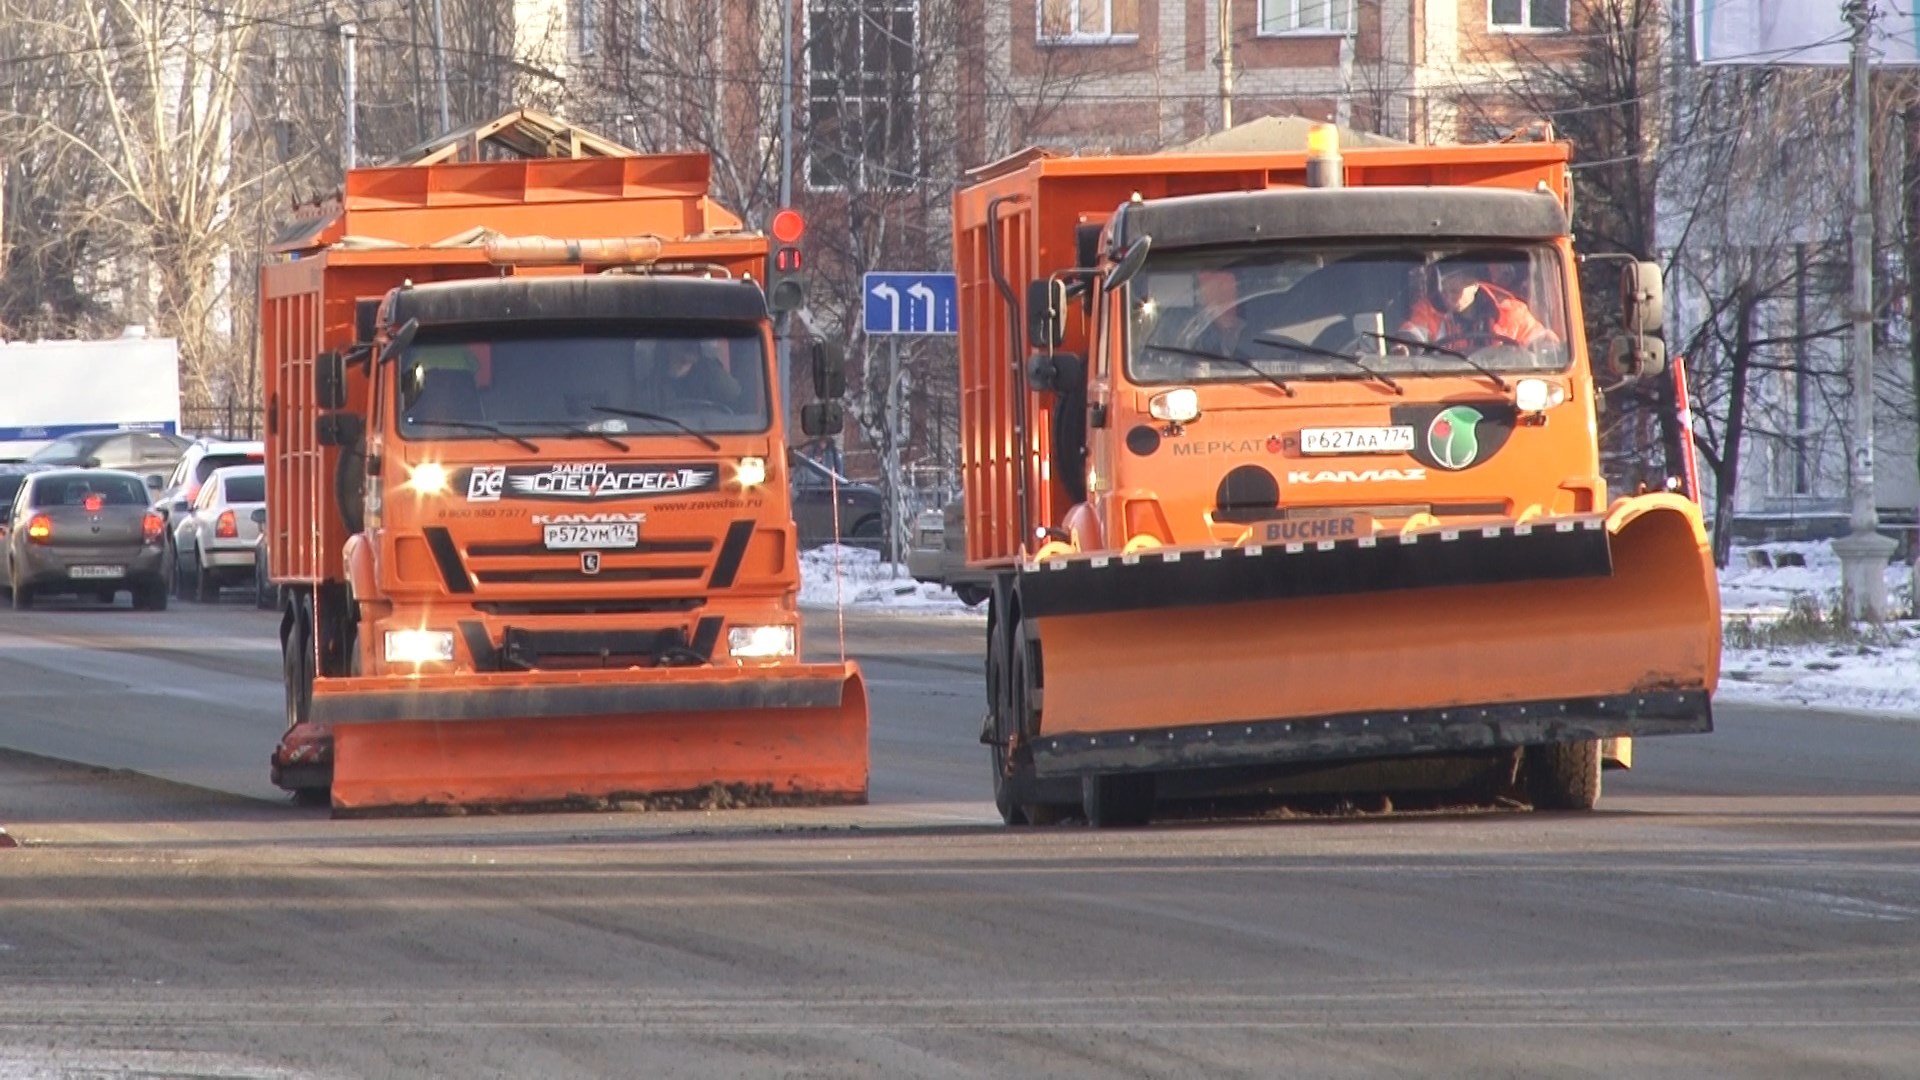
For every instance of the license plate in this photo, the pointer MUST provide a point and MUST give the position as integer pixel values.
(621, 534)
(97, 572)
(1356, 440)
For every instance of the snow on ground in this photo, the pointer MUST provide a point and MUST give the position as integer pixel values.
(1879, 673)
(860, 580)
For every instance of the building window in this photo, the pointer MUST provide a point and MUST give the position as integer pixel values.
(1306, 17)
(1527, 14)
(586, 26)
(862, 94)
(1088, 21)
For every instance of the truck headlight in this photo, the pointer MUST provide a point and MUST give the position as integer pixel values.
(1175, 406)
(751, 472)
(1537, 395)
(760, 642)
(419, 646)
(428, 479)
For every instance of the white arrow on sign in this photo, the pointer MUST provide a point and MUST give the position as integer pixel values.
(919, 291)
(892, 296)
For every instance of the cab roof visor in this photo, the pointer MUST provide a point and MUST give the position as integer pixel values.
(526, 300)
(1348, 213)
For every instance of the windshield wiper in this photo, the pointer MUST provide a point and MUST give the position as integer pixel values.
(1206, 354)
(1416, 343)
(639, 414)
(578, 429)
(480, 425)
(1333, 354)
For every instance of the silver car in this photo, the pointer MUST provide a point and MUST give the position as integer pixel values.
(85, 532)
(217, 538)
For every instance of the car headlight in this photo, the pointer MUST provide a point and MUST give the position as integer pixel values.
(419, 646)
(760, 642)
(752, 472)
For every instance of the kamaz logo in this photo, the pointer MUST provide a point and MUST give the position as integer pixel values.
(588, 519)
(1353, 476)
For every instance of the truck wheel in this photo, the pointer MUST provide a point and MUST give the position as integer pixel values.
(1024, 688)
(1117, 801)
(297, 667)
(206, 587)
(1564, 776)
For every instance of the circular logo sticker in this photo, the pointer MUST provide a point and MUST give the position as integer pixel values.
(1451, 438)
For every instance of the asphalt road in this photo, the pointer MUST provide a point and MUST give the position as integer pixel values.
(1744, 904)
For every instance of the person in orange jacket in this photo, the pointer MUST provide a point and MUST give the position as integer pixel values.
(1465, 305)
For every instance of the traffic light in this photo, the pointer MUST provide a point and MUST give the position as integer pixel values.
(786, 281)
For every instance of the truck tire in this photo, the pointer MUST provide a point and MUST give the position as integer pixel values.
(1017, 792)
(1117, 800)
(1564, 776)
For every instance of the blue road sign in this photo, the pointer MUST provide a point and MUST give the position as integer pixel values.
(911, 303)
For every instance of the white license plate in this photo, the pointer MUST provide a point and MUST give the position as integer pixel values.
(621, 534)
(97, 572)
(1356, 440)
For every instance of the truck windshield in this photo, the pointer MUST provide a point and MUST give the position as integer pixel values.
(600, 383)
(1309, 312)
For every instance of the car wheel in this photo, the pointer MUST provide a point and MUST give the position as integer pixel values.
(206, 588)
(106, 596)
(263, 597)
(151, 595)
(22, 597)
(176, 572)
(869, 533)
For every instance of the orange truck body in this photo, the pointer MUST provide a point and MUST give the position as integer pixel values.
(1341, 552)
(580, 587)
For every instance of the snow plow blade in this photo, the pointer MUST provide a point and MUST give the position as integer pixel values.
(589, 740)
(1440, 641)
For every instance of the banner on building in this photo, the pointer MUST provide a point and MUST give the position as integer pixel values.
(1798, 32)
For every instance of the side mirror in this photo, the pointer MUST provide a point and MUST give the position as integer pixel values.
(259, 516)
(1636, 357)
(829, 373)
(90, 463)
(366, 321)
(1046, 313)
(1130, 263)
(1642, 297)
(822, 418)
(340, 429)
(153, 483)
(330, 381)
(402, 338)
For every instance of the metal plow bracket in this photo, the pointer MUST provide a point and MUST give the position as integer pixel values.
(1652, 625)
(756, 741)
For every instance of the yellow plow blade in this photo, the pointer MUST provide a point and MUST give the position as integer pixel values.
(1532, 634)
(590, 739)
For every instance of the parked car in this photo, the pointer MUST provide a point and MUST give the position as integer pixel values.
(85, 532)
(217, 537)
(148, 453)
(12, 475)
(863, 508)
(198, 463)
(939, 554)
(266, 595)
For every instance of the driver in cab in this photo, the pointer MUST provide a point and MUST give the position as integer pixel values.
(1464, 305)
(687, 375)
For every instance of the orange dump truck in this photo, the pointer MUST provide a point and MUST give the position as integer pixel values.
(528, 497)
(1285, 468)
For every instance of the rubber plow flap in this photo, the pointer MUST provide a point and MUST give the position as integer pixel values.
(588, 739)
(1472, 662)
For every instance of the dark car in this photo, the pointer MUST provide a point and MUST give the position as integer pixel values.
(12, 475)
(148, 453)
(863, 508)
(85, 533)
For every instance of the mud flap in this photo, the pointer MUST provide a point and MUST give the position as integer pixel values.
(588, 740)
(1539, 659)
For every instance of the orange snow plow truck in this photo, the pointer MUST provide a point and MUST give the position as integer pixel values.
(529, 507)
(1285, 467)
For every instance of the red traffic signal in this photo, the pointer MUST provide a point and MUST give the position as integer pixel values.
(789, 226)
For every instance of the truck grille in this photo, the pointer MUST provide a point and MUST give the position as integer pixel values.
(680, 561)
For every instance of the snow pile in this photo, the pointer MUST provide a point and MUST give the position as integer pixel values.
(1782, 647)
(864, 582)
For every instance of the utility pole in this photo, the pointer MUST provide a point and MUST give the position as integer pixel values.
(1863, 551)
(782, 346)
(1226, 64)
(350, 82)
(440, 65)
